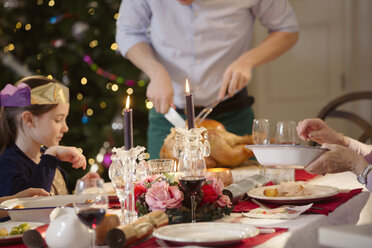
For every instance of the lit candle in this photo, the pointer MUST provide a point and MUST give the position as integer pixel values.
(189, 106)
(128, 126)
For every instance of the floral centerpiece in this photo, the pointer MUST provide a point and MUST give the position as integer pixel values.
(163, 192)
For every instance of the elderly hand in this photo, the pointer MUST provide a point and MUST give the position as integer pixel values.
(318, 131)
(236, 77)
(68, 154)
(160, 91)
(337, 159)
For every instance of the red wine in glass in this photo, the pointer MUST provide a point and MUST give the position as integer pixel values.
(192, 184)
(91, 217)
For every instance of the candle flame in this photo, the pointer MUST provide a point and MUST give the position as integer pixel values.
(187, 86)
(127, 104)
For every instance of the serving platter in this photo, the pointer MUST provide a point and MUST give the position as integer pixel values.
(37, 209)
(286, 155)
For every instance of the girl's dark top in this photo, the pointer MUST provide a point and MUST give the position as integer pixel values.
(18, 172)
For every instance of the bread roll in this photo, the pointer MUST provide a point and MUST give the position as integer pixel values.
(108, 223)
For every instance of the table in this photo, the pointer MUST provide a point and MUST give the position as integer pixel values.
(303, 231)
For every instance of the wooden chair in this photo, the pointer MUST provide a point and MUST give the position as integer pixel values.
(330, 110)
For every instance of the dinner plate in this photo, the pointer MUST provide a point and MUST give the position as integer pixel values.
(286, 155)
(10, 239)
(37, 209)
(318, 192)
(206, 233)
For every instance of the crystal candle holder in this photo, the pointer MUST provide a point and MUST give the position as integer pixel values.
(127, 167)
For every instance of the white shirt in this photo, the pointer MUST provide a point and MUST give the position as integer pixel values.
(200, 40)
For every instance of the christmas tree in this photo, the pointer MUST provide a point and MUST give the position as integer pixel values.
(74, 42)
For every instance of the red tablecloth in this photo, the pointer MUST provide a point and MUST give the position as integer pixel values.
(13, 246)
(302, 175)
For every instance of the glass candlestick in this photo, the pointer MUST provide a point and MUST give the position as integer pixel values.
(191, 147)
(123, 175)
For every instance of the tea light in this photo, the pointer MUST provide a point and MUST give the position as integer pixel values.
(222, 173)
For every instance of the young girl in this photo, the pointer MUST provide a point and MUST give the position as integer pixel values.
(33, 115)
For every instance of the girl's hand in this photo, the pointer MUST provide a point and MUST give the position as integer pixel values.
(68, 154)
(31, 192)
(91, 175)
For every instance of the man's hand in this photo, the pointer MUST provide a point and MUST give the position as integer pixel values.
(236, 77)
(160, 91)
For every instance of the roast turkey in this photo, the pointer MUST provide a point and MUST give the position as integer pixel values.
(227, 149)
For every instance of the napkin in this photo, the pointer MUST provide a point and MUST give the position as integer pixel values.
(302, 175)
(321, 207)
(282, 212)
(245, 243)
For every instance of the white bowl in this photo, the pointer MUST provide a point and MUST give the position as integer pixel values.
(286, 155)
(37, 209)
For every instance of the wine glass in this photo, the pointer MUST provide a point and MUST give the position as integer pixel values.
(192, 171)
(261, 132)
(159, 166)
(261, 136)
(286, 133)
(92, 203)
(121, 182)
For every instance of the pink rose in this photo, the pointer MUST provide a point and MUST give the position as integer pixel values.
(161, 196)
(223, 201)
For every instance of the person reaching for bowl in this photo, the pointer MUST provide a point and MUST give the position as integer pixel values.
(24, 193)
(345, 153)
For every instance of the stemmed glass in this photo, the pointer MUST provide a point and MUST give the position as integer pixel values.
(286, 133)
(192, 173)
(261, 136)
(92, 204)
(121, 180)
(261, 132)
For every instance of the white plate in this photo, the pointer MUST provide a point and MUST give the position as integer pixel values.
(319, 192)
(10, 239)
(286, 155)
(109, 188)
(37, 209)
(206, 233)
(110, 191)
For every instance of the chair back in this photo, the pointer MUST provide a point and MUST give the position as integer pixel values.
(330, 110)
